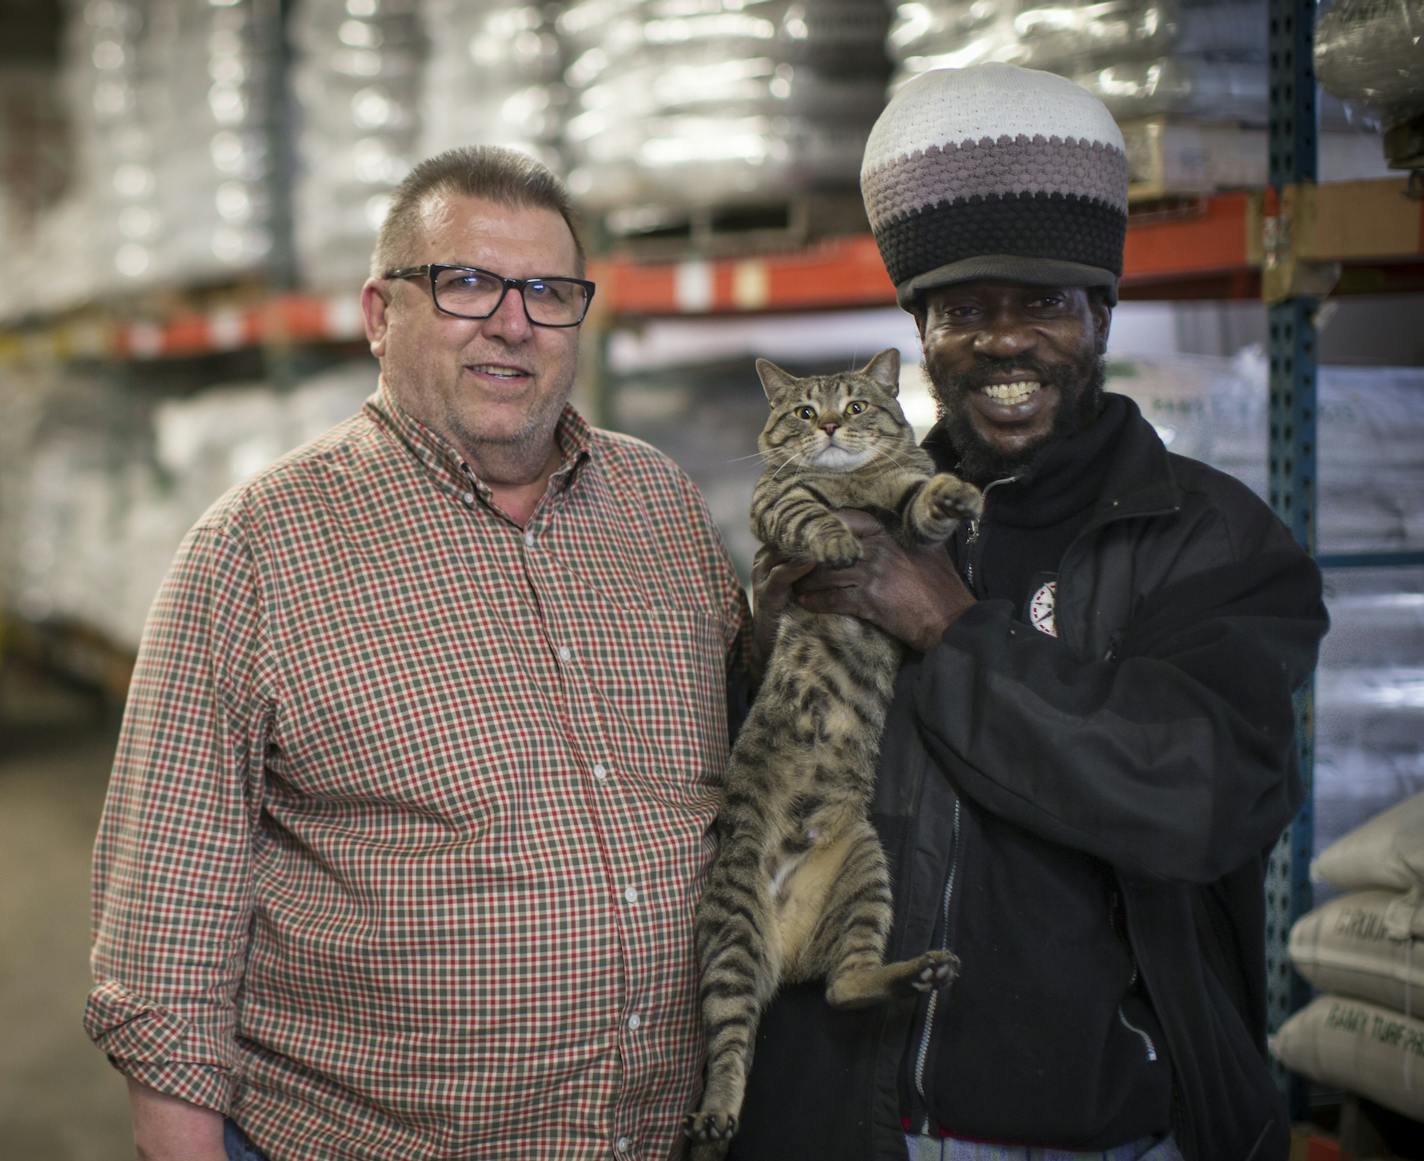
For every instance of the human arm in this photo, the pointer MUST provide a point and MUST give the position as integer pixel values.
(168, 1129)
(914, 594)
(1172, 757)
(171, 902)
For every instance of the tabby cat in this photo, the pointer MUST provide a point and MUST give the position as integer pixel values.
(800, 888)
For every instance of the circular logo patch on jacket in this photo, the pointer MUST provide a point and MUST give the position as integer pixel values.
(1041, 607)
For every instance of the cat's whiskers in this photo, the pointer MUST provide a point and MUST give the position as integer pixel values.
(793, 459)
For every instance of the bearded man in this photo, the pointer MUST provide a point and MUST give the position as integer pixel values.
(1091, 748)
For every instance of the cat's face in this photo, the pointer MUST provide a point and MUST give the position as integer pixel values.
(834, 423)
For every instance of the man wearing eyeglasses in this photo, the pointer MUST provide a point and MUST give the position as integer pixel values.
(410, 809)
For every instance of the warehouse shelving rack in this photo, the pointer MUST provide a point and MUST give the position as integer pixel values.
(1363, 237)
(1287, 244)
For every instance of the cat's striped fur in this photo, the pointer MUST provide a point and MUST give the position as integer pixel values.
(800, 888)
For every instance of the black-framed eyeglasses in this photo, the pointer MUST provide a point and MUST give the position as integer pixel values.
(469, 292)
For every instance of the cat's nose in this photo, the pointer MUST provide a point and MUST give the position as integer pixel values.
(830, 428)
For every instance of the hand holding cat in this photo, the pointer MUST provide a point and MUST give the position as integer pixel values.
(773, 576)
(914, 595)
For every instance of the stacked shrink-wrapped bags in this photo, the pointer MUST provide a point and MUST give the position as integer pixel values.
(1370, 51)
(682, 103)
(1187, 80)
(1203, 58)
(356, 78)
(1363, 950)
(214, 77)
(494, 77)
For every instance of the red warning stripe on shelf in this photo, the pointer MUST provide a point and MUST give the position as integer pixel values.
(837, 272)
(288, 318)
(1214, 238)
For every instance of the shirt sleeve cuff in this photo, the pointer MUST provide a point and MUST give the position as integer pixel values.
(154, 1047)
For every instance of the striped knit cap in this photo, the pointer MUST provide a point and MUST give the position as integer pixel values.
(996, 171)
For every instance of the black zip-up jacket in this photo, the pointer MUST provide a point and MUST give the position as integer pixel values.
(1156, 733)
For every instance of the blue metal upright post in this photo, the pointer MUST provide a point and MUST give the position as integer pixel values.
(1292, 455)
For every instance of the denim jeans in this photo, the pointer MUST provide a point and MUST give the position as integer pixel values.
(934, 1149)
(238, 1147)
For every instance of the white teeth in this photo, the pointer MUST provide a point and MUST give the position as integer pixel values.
(498, 372)
(1011, 392)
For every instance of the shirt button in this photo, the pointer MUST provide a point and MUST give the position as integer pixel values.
(529, 537)
(565, 653)
(635, 1022)
(599, 772)
(622, 1144)
(630, 894)
(469, 498)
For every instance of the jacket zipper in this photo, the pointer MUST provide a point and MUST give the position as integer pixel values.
(1117, 909)
(971, 541)
(1142, 1034)
(924, 1050)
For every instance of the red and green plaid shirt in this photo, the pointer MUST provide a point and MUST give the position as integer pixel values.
(410, 811)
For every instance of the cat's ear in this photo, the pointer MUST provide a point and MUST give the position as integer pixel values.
(885, 369)
(774, 380)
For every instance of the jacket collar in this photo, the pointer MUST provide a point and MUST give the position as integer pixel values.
(1138, 479)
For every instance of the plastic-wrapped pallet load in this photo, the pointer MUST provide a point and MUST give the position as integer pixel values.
(494, 77)
(1368, 51)
(1186, 79)
(209, 77)
(1365, 950)
(1142, 57)
(116, 203)
(98, 487)
(683, 103)
(357, 72)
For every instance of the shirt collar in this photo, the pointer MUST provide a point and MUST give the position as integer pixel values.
(449, 469)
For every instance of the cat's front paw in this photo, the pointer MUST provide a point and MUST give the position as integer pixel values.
(954, 498)
(944, 501)
(837, 547)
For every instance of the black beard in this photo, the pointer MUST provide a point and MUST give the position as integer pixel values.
(1080, 389)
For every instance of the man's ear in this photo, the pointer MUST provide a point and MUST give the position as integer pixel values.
(375, 308)
(1102, 320)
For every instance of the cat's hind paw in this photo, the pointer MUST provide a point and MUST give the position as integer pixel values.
(709, 1126)
(937, 970)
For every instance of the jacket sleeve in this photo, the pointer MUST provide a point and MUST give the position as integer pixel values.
(171, 894)
(1174, 758)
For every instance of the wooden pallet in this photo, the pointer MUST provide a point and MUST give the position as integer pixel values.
(744, 226)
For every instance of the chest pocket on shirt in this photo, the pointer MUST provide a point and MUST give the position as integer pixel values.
(658, 680)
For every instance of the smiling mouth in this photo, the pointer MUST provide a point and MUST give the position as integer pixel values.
(1012, 393)
(498, 371)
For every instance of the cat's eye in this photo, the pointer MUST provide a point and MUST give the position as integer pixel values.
(856, 406)
(807, 412)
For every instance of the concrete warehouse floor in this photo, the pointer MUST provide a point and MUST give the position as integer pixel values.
(59, 1098)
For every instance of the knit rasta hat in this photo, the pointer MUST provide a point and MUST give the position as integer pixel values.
(996, 171)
